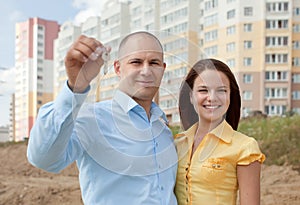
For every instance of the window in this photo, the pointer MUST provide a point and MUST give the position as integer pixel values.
(231, 14)
(247, 95)
(296, 11)
(211, 35)
(231, 63)
(230, 47)
(296, 45)
(247, 27)
(211, 20)
(296, 78)
(276, 75)
(276, 58)
(211, 51)
(247, 61)
(211, 4)
(276, 24)
(296, 95)
(296, 28)
(276, 41)
(248, 11)
(230, 30)
(275, 109)
(247, 44)
(296, 61)
(275, 93)
(277, 7)
(247, 78)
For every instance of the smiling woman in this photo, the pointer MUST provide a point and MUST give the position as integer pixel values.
(215, 161)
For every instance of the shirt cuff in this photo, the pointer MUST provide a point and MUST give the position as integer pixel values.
(66, 99)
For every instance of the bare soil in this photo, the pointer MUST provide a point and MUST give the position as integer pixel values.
(22, 184)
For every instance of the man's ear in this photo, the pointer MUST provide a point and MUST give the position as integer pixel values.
(117, 67)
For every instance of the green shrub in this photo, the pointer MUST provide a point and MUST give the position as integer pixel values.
(278, 137)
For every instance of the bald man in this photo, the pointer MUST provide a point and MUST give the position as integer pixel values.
(123, 147)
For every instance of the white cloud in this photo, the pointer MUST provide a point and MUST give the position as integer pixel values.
(87, 8)
(7, 81)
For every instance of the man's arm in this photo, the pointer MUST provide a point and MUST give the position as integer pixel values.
(53, 143)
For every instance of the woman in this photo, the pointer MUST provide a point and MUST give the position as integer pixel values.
(215, 161)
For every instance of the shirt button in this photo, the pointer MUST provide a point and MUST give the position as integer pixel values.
(161, 188)
(156, 144)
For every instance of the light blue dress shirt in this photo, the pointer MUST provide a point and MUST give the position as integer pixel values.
(122, 156)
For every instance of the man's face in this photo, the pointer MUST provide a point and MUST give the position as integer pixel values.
(140, 67)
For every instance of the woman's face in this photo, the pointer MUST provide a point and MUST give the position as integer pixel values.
(211, 96)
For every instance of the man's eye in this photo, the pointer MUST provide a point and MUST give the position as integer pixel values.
(135, 62)
(222, 91)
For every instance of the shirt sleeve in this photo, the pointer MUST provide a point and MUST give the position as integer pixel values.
(53, 144)
(250, 152)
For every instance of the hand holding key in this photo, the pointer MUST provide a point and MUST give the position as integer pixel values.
(83, 62)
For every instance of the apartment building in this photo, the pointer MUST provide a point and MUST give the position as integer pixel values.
(255, 39)
(34, 71)
(67, 35)
(258, 39)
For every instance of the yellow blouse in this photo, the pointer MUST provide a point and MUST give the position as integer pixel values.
(209, 176)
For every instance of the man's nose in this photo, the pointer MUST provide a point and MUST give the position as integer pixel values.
(146, 70)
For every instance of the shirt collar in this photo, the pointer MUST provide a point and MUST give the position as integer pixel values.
(127, 104)
(223, 131)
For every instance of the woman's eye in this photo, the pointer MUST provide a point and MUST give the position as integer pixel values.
(202, 90)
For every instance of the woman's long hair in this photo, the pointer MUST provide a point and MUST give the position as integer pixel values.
(188, 115)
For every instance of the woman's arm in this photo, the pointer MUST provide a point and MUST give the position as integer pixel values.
(249, 183)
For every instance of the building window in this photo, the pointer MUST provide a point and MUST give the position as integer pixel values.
(210, 36)
(296, 61)
(211, 20)
(230, 30)
(296, 95)
(277, 7)
(211, 51)
(296, 28)
(296, 45)
(247, 27)
(277, 24)
(247, 95)
(231, 14)
(276, 41)
(248, 11)
(211, 4)
(247, 61)
(276, 58)
(276, 76)
(275, 109)
(230, 47)
(296, 11)
(247, 44)
(296, 78)
(247, 78)
(231, 63)
(275, 93)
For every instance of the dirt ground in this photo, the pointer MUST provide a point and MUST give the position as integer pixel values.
(22, 184)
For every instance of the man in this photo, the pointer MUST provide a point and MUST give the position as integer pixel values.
(123, 149)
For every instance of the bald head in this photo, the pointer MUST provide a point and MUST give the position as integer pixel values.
(132, 43)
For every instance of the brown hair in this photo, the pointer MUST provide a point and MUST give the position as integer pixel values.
(187, 112)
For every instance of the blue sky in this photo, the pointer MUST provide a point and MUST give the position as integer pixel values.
(14, 11)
